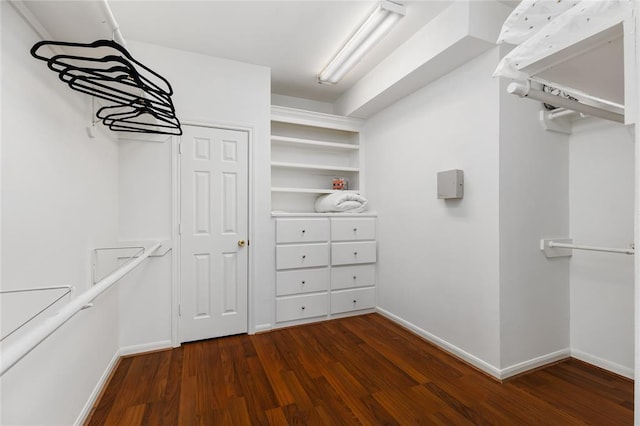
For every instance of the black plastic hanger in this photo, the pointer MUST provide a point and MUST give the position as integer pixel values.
(132, 118)
(108, 68)
(116, 90)
(161, 84)
(110, 73)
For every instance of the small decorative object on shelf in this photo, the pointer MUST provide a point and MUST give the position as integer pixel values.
(340, 183)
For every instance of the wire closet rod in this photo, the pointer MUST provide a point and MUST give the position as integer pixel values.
(27, 290)
(68, 289)
(553, 244)
(14, 353)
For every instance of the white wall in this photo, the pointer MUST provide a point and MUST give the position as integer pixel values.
(602, 203)
(468, 273)
(534, 204)
(438, 260)
(145, 215)
(207, 90)
(59, 201)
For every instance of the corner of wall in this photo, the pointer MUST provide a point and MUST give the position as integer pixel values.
(454, 350)
(97, 390)
(486, 19)
(534, 204)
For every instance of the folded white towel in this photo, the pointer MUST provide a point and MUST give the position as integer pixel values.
(342, 201)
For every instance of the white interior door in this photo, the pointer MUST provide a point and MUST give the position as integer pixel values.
(213, 232)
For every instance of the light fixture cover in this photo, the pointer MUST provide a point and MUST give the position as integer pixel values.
(366, 36)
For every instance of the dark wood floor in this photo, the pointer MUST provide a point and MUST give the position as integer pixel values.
(359, 370)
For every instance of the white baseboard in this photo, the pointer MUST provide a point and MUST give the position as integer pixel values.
(534, 363)
(261, 328)
(88, 406)
(603, 363)
(145, 347)
(127, 350)
(448, 347)
(498, 373)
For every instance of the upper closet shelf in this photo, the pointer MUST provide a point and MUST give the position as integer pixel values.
(315, 119)
(578, 55)
(313, 143)
(313, 167)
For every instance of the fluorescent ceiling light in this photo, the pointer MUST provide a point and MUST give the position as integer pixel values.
(370, 32)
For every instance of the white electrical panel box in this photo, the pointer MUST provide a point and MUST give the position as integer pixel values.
(451, 184)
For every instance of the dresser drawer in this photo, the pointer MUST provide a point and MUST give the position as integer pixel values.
(302, 256)
(302, 230)
(302, 281)
(300, 307)
(353, 229)
(353, 276)
(353, 300)
(348, 253)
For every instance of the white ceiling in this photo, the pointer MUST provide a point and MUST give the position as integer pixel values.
(294, 38)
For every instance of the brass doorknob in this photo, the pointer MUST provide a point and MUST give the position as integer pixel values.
(241, 243)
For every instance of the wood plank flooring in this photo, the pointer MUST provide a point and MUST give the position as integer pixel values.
(359, 370)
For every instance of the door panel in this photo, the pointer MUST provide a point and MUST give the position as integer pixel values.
(214, 219)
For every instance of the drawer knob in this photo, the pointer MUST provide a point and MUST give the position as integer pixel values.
(354, 277)
(303, 282)
(355, 229)
(303, 308)
(304, 256)
(304, 230)
(355, 253)
(355, 301)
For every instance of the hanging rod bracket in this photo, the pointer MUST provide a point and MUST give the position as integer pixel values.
(550, 120)
(547, 247)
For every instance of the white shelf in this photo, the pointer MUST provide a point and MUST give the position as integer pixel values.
(312, 118)
(308, 150)
(314, 143)
(310, 190)
(311, 214)
(282, 164)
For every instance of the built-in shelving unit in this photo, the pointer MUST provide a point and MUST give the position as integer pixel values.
(309, 150)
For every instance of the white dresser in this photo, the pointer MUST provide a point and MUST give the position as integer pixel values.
(325, 266)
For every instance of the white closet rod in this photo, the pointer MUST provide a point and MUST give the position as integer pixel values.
(14, 353)
(117, 35)
(525, 90)
(553, 244)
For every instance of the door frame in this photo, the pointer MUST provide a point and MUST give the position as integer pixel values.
(175, 223)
